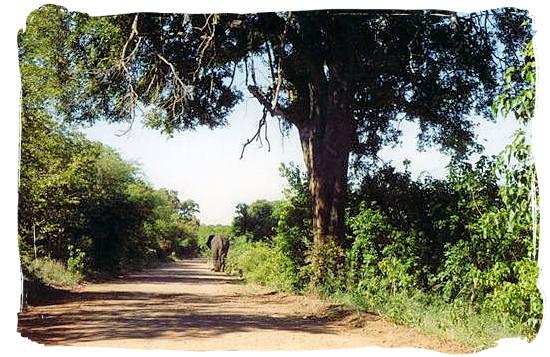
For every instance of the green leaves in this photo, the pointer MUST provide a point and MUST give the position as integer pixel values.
(89, 208)
(518, 96)
(259, 219)
(508, 74)
(515, 299)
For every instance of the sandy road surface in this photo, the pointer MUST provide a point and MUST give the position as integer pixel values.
(184, 305)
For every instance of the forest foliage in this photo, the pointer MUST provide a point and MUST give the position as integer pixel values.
(82, 205)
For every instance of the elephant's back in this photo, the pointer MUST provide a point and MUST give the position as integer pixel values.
(223, 240)
(218, 239)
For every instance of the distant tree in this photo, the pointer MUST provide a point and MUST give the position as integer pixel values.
(241, 221)
(257, 219)
(345, 79)
(188, 209)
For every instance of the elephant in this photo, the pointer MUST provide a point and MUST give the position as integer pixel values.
(219, 246)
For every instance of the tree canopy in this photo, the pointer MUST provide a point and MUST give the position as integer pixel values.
(433, 66)
(257, 219)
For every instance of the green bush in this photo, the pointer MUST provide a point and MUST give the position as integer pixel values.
(515, 299)
(382, 257)
(77, 261)
(263, 263)
(326, 267)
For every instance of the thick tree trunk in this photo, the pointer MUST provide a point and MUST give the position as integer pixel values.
(326, 129)
(326, 142)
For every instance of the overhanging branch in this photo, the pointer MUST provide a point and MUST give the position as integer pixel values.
(257, 135)
(273, 110)
(124, 63)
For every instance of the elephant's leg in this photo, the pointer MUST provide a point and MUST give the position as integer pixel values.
(222, 262)
(219, 266)
(215, 258)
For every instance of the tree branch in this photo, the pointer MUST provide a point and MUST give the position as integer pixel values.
(279, 65)
(124, 65)
(206, 42)
(256, 136)
(277, 111)
(173, 68)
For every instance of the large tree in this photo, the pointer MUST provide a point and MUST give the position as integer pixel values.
(344, 79)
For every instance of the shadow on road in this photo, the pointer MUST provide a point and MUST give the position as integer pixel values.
(145, 312)
(144, 323)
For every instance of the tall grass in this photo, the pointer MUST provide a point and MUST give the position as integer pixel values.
(260, 263)
(51, 272)
(455, 321)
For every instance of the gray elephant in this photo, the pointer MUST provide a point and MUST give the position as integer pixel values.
(219, 245)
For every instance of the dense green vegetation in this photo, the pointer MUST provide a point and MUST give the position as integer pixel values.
(83, 210)
(256, 220)
(81, 205)
(454, 256)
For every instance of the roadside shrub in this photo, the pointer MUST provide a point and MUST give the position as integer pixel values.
(263, 263)
(327, 262)
(515, 299)
(77, 262)
(382, 257)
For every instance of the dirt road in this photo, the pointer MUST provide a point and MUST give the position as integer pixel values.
(184, 305)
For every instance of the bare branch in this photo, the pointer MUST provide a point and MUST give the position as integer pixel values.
(279, 64)
(277, 89)
(173, 68)
(127, 130)
(256, 135)
(277, 111)
(134, 32)
(265, 137)
(183, 88)
(151, 83)
(245, 60)
(253, 70)
(233, 75)
(207, 40)
(409, 46)
(270, 61)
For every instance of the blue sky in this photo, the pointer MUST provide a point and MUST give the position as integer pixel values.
(204, 164)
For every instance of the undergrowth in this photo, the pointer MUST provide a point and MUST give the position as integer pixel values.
(458, 320)
(51, 272)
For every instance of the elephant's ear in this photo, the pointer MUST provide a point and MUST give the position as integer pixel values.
(210, 237)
